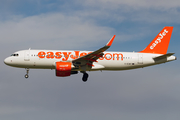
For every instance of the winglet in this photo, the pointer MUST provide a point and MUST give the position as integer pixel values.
(111, 41)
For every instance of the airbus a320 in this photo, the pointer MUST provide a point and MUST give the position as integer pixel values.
(67, 63)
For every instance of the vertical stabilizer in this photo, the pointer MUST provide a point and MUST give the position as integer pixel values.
(160, 43)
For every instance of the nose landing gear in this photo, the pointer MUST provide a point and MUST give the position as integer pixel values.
(27, 71)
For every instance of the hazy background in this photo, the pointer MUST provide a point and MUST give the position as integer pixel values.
(151, 93)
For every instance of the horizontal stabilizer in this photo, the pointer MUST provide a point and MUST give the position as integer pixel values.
(163, 56)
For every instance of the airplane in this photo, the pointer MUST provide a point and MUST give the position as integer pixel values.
(66, 62)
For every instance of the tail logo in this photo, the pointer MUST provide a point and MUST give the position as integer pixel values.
(158, 40)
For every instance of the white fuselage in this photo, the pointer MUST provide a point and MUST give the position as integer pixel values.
(46, 59)
(67, 63)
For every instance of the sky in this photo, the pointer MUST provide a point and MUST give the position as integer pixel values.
(146, 93)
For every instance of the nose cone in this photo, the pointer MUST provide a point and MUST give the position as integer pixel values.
(7, 61)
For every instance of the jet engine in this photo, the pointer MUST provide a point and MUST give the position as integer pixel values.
(63, 69)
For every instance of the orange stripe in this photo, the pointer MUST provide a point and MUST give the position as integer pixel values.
(98, 55)
(89, 64)
(90, 59)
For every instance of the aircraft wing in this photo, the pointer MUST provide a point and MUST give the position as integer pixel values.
(88, 59)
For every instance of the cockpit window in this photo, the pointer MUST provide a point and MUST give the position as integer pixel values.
(15, 55)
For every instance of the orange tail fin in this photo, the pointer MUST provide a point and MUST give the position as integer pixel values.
(160, 43)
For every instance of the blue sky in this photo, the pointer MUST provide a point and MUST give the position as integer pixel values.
(148, 93)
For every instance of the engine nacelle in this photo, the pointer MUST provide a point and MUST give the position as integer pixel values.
(63, 69)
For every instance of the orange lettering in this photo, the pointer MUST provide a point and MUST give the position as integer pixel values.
(83, 54)
(101, 58)
(66, 56)
(58, 55)
(41, 54)
(89, 52)
(107, 57)
(50, 55)
(76, 55)
(117, 54)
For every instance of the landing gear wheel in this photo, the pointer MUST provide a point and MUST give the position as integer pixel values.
(26, 76)
(27, 71)
(85, 77)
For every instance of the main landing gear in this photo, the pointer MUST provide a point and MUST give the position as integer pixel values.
(85, 76)
(27, 71)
